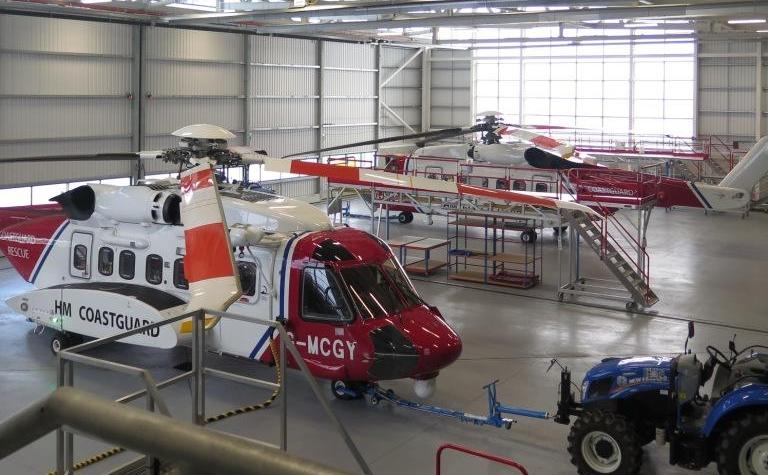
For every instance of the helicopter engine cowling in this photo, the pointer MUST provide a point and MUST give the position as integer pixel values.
(126, 204)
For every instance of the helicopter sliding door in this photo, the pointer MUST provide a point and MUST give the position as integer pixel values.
(80, 255)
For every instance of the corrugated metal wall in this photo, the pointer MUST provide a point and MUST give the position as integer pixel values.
(402, 93)
(451, 89)
(284, 94)
(64, 89)
(731, 101)
(74, 87)
(349, 93)
(191, 77)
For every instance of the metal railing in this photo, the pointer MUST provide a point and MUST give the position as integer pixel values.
(198, 373)
(475, 453)
(194, 448)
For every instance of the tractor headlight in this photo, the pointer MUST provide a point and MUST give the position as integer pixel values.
(584, 389)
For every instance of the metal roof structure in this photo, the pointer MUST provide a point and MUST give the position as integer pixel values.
(415, 21)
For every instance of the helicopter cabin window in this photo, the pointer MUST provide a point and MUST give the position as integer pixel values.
(322, 296)
(106, 261)
(179, 281)
(397, 275)
(371, 291)
(80, 257)
(127, 265)
(248, 277)
(154, 269)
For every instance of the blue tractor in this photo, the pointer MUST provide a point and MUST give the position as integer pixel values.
(708, 411)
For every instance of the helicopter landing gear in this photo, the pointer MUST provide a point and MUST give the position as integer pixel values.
(405, 217)
(529, 236)
(63, 340)
(347, 390)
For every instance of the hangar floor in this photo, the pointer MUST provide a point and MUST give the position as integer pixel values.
(711, 268)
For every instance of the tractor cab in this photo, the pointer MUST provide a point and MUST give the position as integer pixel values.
(711, 410)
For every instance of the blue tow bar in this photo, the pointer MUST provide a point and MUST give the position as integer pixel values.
(496, 410)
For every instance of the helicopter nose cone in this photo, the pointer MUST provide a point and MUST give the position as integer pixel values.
(438, 345)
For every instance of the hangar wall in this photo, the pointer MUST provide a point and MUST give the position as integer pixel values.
(732, 99)
(64, 89)
(451, 89)
(77, 87)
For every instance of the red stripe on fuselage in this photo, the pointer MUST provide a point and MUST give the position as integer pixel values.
(209, 241)
(197, 180)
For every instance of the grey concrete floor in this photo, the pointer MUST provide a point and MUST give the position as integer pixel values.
(710, 268)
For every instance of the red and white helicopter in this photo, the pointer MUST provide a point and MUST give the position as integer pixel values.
(107, 259)
(542, 164)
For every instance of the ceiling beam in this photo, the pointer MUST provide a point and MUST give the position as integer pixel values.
(720, 9)
(377, 8)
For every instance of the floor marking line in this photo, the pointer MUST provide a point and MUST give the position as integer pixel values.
(648, 315)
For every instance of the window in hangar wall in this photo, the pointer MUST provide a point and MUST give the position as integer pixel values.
(41, 194)
(644, 86)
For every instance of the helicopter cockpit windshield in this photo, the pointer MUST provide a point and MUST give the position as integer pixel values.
(371, 287)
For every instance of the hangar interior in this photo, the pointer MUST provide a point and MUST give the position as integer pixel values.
(664, 95)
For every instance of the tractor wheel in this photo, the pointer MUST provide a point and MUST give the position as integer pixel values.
(405, 217)
(346, 390)
(603, 442)
(742, 448)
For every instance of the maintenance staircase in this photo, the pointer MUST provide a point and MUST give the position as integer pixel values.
(614, 238)
(633, 274)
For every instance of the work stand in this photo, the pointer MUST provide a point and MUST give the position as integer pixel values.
(619, 241)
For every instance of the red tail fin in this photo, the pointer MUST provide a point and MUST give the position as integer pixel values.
(19, 214)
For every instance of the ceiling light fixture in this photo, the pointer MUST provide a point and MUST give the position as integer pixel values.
(746, 21)
(641, 25)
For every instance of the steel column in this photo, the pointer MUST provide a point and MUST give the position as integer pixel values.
(379, 87)
(137, 118)
(246, 90)
(759, 90)
(426, 90)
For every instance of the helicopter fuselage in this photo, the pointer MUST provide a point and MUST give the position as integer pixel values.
(344, 299)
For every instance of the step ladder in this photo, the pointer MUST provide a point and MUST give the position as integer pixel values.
(632, 273)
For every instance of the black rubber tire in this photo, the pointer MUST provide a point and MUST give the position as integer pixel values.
(64, 340)
(615, 425)
(405, 217)
(529, 236)
(337, 383)
(737, 433)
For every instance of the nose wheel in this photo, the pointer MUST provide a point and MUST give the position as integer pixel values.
(347, 390)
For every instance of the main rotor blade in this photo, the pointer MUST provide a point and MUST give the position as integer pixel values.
(74, 158)
(442, 132)
(368, 177)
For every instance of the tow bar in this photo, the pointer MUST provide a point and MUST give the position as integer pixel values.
(496, 411)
